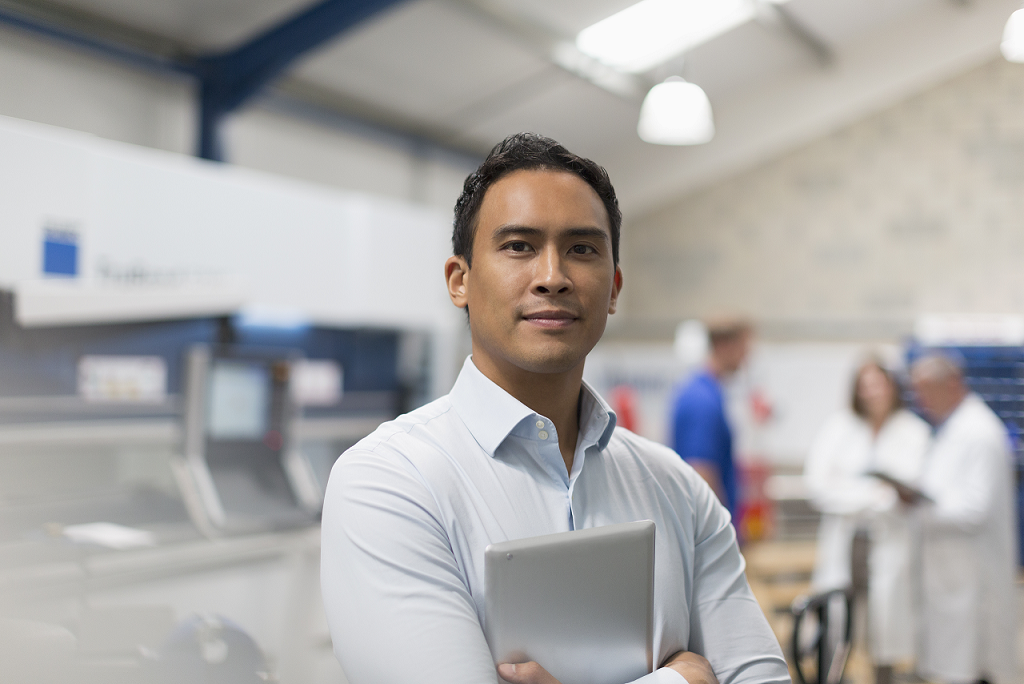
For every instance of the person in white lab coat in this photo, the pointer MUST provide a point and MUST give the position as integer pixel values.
(875, 434)
(968, 534)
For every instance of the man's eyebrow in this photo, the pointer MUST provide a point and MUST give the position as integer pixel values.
(513, 229)
(588, 232)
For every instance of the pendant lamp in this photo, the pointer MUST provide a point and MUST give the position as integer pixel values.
(1012, 46)
(676, 112)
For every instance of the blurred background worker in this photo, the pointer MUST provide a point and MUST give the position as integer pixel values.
(968, 550)
(701, 433)
(875, 435)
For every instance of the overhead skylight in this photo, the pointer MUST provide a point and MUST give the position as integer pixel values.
(653, 31)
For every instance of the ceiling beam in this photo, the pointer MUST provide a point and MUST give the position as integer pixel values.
(228, 79)
(163, 55)
(307, 100)
(775, 16)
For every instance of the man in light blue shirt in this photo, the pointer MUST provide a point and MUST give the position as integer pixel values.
(523, 447)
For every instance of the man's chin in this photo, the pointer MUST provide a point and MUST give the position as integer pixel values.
(553, 361)
(541, 354)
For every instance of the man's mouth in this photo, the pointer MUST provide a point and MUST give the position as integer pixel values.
(551, 318)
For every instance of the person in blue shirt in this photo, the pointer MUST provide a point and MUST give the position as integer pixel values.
(701, 434)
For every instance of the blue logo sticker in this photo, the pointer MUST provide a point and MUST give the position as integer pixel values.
(60, 252)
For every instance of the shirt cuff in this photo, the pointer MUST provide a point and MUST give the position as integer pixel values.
(663, 675)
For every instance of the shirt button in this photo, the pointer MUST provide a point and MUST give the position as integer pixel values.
(540, 423)
(543, 434)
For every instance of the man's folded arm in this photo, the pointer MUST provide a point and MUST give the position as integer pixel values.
(727, 625)
(397, 603)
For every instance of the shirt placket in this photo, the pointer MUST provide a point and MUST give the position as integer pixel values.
(541, 432)
(546, 438)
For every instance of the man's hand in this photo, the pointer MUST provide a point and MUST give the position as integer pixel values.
(526, 673)
(906, 494)
(695, 668)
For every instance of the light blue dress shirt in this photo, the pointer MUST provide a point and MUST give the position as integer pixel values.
(410, 509)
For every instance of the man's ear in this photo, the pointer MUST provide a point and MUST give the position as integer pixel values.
(456, 273)
(616, 289)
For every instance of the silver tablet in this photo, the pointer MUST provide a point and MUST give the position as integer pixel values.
(579, 603)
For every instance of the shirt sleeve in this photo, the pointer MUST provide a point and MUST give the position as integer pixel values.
(664, 675)
(727, 625)
(397, 604)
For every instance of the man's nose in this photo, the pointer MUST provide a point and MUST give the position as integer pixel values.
(551, 277)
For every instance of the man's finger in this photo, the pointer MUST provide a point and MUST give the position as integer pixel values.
(525, 673)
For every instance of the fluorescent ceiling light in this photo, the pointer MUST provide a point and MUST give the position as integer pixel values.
(676, 113)
(1013, 37)
(653, 31)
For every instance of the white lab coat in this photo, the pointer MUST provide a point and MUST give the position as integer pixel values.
(844, 450)
(969, 551)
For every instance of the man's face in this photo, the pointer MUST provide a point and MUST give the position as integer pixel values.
(937, 397)
(732, 353)
(542, 281)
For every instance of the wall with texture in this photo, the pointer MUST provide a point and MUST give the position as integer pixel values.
(918, 208)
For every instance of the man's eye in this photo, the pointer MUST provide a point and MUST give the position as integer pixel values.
(517, 246)
(583, 249)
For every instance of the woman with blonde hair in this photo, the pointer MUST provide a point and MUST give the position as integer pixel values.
(875, 435)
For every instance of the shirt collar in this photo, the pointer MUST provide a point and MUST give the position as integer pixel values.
(968, 399)
(491, 413)
(710, 378)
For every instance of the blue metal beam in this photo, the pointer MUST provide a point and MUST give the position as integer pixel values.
(228, 79)
(186, 65)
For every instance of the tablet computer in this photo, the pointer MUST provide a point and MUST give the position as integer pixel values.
(579, 603)
(914, 492)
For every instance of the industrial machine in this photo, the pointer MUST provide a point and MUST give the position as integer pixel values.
(153, 471)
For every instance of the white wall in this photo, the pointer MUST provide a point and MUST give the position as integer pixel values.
(40, 80)
(46, 81)
(802, 384)
(261, 138)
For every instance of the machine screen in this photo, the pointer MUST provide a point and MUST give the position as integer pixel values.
(238, 401)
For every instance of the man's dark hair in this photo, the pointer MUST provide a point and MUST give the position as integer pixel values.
(528, 151)
(724, 330)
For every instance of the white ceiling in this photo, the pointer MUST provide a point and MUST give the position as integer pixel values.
(468, 72)
(200, 24)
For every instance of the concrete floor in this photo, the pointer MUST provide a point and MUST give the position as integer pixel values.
(780, 570)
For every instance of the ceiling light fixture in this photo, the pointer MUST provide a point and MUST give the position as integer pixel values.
(653, 31)
(1012, 46)
(676, 112)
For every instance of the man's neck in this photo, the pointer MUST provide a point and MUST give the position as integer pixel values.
(555, 396)
(716, 368)
(941, 420)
